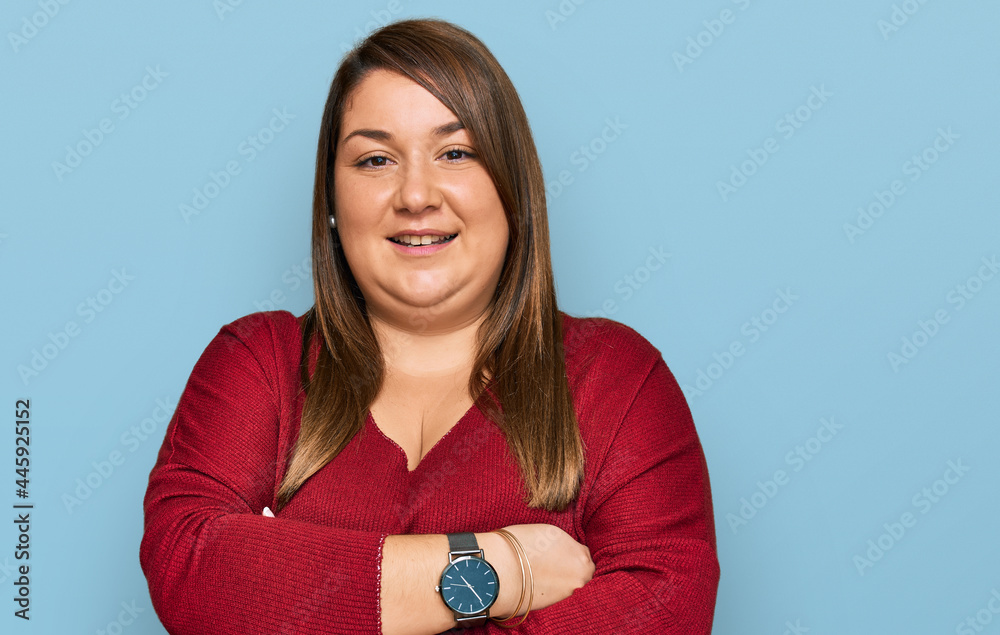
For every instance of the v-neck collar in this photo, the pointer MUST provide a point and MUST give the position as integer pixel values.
(435, 449)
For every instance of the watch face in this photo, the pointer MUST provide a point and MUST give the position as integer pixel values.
(469, 585)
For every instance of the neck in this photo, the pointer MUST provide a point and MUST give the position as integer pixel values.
(430, 350)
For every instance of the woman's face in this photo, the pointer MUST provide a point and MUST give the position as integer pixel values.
(405, 168)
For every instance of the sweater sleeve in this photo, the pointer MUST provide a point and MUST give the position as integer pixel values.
(649, 525)
(214, 564)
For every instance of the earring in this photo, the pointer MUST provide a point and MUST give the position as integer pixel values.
(333, 222)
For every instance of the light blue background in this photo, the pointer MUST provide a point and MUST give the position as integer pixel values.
(653, 187)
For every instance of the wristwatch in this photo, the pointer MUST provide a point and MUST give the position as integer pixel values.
(469, 585)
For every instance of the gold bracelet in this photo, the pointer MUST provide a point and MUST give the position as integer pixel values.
(531, 579)
(522, 556)
(507, 536)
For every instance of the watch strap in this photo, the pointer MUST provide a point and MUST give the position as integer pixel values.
(463, 543)
(469, 622)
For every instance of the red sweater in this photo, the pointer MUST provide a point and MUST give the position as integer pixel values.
(214, 564)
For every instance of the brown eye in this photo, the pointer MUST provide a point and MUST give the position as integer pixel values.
(456, 154)
(376, 161)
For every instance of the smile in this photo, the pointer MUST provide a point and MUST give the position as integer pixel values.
(419, 241)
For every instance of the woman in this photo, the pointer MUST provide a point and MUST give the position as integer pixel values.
(432, 395)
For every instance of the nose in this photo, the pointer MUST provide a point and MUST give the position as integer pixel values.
(418, 189)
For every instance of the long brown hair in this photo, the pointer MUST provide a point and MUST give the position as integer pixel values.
(520, 344)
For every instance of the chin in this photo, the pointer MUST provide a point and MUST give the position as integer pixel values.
(426, 288)
(424, 299)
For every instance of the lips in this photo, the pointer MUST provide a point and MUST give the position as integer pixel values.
(414, 240)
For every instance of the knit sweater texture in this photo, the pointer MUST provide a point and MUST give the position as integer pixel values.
(215, 565)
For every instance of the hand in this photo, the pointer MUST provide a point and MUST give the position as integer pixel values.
(559, 565)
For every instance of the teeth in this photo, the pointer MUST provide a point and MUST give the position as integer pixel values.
(420, 240)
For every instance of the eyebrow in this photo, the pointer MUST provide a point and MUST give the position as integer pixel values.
(382, 135)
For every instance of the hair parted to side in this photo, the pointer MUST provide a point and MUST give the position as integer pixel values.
(520, 343)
